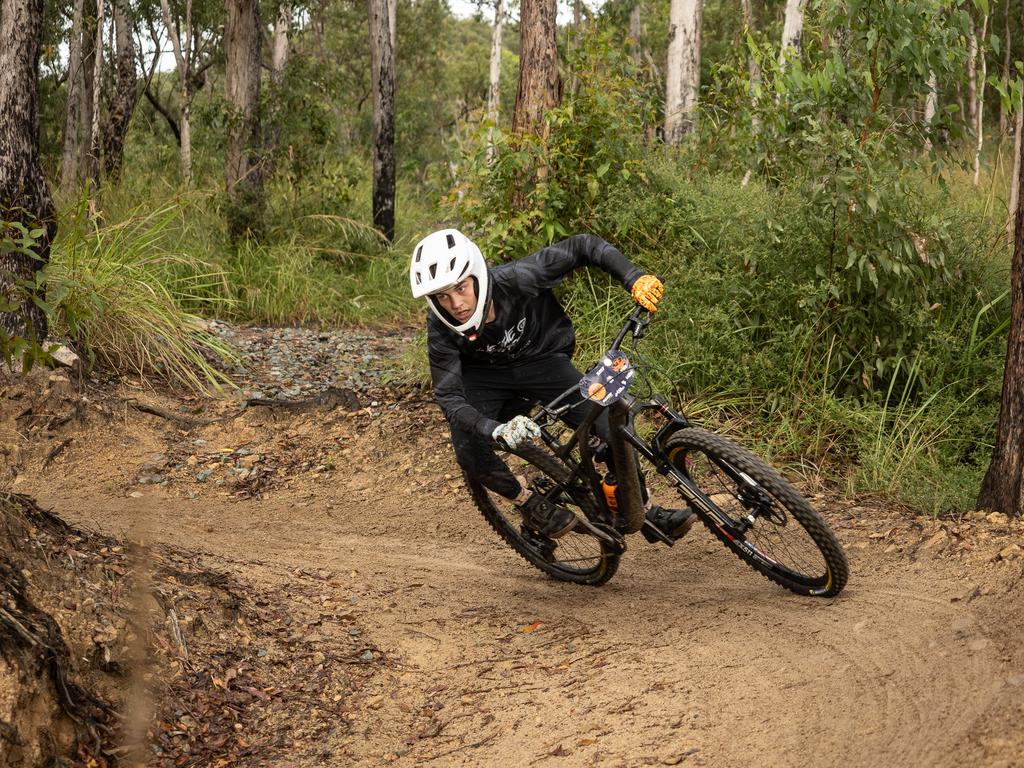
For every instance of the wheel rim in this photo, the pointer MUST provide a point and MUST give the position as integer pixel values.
(776, 538)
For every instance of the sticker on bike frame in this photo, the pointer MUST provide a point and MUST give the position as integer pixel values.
(609, 380)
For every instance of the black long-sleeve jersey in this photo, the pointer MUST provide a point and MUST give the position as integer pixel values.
(529, 322)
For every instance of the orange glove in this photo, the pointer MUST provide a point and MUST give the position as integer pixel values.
(647, 291)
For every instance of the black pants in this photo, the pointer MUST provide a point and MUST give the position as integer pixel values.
(501, 394)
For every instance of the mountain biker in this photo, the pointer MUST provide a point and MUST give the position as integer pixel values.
(498, 339)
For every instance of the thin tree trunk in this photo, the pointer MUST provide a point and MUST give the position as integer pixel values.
(1014, 187)
(682, 75)
(94, 133)
(85, 93)
(979, 127)
(24, 195)
(792, 31)
(539, 86)
(635, 31)
(383, 73)
(279, 51)
(73, 113)
(494, 88)
(1005, 76)
(182, 59)
(242, 167)
(754, 73)
(972, 75)
(1003, 486)
(126, 92)
(574, 42)
(931, 104)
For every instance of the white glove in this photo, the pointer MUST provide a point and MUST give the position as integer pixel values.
(512, 433)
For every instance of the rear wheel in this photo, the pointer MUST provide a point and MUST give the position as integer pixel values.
(578, 557)
(757, 514)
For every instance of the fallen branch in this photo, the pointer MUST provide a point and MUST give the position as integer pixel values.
(175, 417)
(333, 397)
(56, 451)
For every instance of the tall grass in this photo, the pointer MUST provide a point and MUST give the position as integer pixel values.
(117, 291)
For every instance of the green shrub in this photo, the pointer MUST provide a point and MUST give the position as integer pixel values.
(118, 291)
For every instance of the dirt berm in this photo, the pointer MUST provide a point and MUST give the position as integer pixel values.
(385, 623)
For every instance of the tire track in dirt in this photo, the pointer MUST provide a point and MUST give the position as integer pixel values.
(685, 656)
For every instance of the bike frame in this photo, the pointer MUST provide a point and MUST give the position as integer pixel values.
(652, 451)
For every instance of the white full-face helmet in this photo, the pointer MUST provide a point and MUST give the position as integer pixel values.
(441, 261)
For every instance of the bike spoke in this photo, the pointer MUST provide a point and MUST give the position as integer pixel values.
(785, 544)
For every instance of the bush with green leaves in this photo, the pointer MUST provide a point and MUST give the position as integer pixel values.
(119, 293)
(839, 125)
(16, 349)
(538, 189)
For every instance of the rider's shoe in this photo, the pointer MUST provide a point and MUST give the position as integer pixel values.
(547, 519)
(673, 524)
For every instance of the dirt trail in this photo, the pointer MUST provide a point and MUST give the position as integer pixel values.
(686, 657)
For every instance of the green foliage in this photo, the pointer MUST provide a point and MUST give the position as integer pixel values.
(16, 349)
(846, 309)
(550, 184)
(118, 293)
(830, 126)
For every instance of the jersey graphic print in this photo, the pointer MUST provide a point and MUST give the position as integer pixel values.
(510, 340)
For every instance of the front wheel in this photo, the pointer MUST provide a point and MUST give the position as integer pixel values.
(577, 556)
(757, 514)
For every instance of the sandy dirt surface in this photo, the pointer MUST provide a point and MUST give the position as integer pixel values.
(685, 657)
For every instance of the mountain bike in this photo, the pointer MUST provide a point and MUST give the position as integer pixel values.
(749, 506)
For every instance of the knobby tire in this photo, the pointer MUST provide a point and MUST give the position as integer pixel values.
(772, 544)
(542, 460)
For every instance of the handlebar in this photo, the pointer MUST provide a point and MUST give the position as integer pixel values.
(638, 320)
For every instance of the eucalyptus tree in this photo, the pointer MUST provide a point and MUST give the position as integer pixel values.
(191, 29)
(71, 155)
(93, 166)
(792, 30)
(682, 73)
(979, 109)
(280, 51)
(382, 60)
(1002, 489)
(243, 169)
(27, 216)
(494, 79)
(124, 89)
(539, 85)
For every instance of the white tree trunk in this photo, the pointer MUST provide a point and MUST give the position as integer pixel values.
(393, 27)
(972, 75)
(792, 30)
(94, 132)
(1005, 76)
(494, 89)
(1014, 186)
(979, 111)
(634, 30)
(182, 56)
(931, 105)
(754, 72)
(73, 117)
(682, 75)
(279, 44)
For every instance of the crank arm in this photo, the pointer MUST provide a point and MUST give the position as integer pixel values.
(603, 533)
